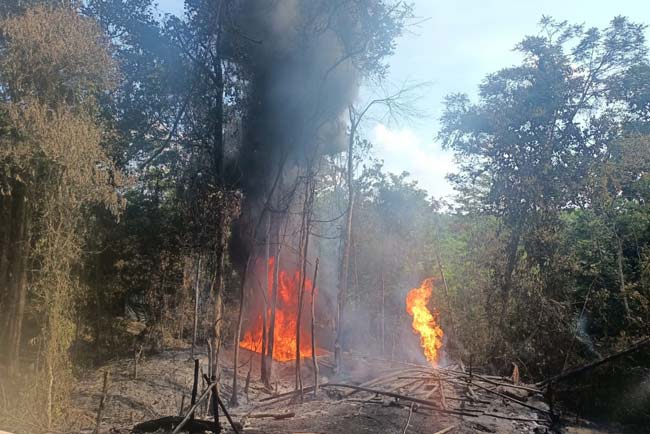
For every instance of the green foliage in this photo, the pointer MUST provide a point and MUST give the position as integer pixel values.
(547, 151)
(54, 65)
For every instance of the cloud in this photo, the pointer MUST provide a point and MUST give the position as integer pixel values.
(405, 150)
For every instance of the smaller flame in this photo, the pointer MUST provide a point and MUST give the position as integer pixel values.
(424, 321)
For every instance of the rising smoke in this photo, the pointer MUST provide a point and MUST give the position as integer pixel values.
(303, 62)
(302, 79)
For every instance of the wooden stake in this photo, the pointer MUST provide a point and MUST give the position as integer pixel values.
(102, 403)
(209, 342)
(137, 352)
(180, 413)
(195, 385)
(191, 411)
(216, 398)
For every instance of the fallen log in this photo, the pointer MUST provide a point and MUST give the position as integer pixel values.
(629, 350)
(169, 422)
(515, 418)
(381, 380)
(511, 399)
(430, 404)
(490, 379)
(446, 430)
(511, 386)
(276, 416)
(287, 394)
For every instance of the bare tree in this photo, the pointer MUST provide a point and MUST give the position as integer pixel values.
(399, 104)
(233, 399)
(307, 211)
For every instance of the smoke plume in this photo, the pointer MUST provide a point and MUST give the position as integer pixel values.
(302, 80)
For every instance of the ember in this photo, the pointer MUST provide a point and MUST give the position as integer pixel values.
(424, 321)
(286, 314)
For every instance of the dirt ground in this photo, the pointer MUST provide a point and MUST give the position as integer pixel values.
(164, 379)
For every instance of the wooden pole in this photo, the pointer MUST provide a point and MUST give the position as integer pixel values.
(192, 409)
(225, 412)
(102, 403)
(314, 359)
(210, 354)
(195, 385)
(632, 348)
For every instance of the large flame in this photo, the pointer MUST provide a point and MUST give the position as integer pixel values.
(286, 317)
(424, 321)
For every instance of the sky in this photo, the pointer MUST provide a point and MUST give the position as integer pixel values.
(458, 43)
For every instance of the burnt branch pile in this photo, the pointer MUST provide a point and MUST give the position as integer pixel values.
(477, 403)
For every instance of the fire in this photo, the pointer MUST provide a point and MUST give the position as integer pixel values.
(424, 321)
(286, 317)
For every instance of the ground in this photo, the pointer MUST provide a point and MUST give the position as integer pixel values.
(165, 378)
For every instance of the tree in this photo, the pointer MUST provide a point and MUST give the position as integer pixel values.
(54, 167)
(539, 129)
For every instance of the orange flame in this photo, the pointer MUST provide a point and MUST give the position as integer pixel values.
(286, 317)
(424, 321)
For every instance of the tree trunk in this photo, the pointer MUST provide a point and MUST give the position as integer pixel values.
(511, 263)
(383, 312)
(621, 273)
(216, 119)
(217, 287)
(5, 240)
(304, 249)
(314, 360)
(343, 279)
(263, 358)
(274, 300)
(196, 306)
(441, 270)
(233, 399)
(17, 275)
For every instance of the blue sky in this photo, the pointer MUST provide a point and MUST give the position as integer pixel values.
(454, 49)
